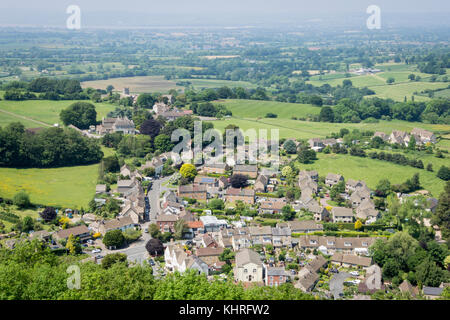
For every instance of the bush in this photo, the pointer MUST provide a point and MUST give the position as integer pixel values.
(22, 200)
(114, 238)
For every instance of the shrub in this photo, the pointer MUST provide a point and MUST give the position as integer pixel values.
(22, 200)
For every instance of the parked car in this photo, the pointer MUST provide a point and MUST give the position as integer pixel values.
(146, 230)
(96, 251)
(151, 262)
(354, 273)
(99, 257)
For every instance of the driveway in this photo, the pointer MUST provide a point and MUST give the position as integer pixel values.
(337, 284)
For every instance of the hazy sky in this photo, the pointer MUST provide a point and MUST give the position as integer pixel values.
(173, 12)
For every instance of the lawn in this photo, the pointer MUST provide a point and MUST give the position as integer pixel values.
(5, 119)
(139, 84)
(255, 108)
(70, 187)
(372, 171)
(46, 111)
(400, 90)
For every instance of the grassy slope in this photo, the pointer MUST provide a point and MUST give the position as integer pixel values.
(212, 83)
(255, 109)
(68, 187)
(372, 171)
(45, 110)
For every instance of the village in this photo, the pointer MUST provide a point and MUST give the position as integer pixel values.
(228, 221)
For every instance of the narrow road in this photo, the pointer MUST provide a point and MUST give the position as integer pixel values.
(25, 118)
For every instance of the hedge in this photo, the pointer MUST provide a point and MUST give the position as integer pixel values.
(10, 217)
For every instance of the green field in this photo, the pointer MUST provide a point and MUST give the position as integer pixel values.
(400, 90)
(46, 111)
(255, 108)
(305, 130)
(67, 187)
(372, 171)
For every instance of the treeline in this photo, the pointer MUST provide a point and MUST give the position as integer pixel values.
(23, 270)
(48, 89)
(350, 111)
(52, 147)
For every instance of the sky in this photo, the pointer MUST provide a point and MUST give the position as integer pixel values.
(129, 13)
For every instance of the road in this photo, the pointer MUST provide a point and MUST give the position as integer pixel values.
(153, 196)
(337, 284)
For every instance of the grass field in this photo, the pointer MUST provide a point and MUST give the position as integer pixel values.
(305, 130)
(255, 109)
(399, 91)
(371, 171)
(67, 187)
(136, 84)
(43, 110)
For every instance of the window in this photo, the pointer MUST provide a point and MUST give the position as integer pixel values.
(365, 244)
(347, 244)
(312, 241)
(254, 270)
(245, 270)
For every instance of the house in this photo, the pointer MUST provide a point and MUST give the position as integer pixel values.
(160, 107)
(156, 163)
(272, 205)
(100, 188)
(193, 192)
(209, 255)
(177, 260)
(399, 137)
(111, 125)
(424, 136)
(121, 223)
(381, 135)
(175, 114)
(249, 267)
(124, 186)
(275, 276)
(261, 183)
(332, 179)
(247, 170)
(260, 235)
(307, 280)
(240, 241)
(223, 182)
(281, 237)
(315, 264)
(218, 168)
(407, 287)
(244, 195)
(204, 181)
(432, 292)
(304, 226)
(320, 213)
(208, 241)
(351, 185)
(212, 224)
(82, 232)
(313, 175)
(136, 213)
(166, 222)
(366, 211)
(351, 260)
(340, 214)
(316, 144)
(43, 235)
(336, 244)
(194, 228)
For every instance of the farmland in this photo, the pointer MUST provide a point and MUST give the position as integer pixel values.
(136, 84)
(212, 83)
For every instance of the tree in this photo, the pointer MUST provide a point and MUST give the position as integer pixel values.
(113, 238)
(358, 224)
(216, 204)
(287, 212)
(238, 180)
(154, 230)
(442, 215)
(412, 77)
(306, 155)
(73, 245)
(412, 143)
(429, 274)
(180, 228)
(154, 247)
(286, 171)
(390, 80)
(430, 167)
(80, 114)
(188, 171)
(163, 143)
(150, 127)
(444, 173)
(145, 100)
(326, 114)
(290, 147)
(22, 200)
(113, 258)
(48, 214)
(383, 188)
(109, 88)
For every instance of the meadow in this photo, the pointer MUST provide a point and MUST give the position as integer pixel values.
(199, 84)
(256, 108)
(46, 111)
(372, 171)
(71, 187)
(136, 84)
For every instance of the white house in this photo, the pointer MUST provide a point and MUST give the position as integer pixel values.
(249, 267)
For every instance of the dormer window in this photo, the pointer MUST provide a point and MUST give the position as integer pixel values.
(330, 243)
(312, 242)
(347, 244)
(365, 244)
